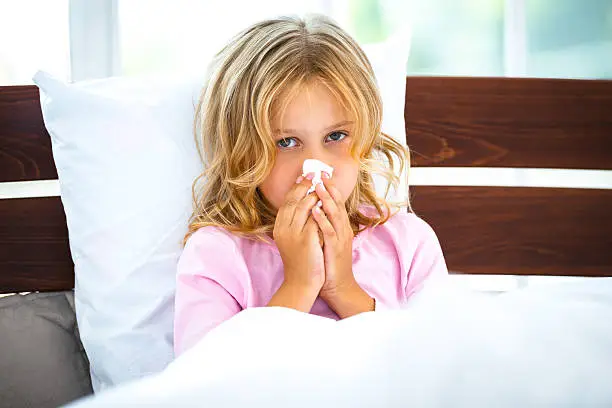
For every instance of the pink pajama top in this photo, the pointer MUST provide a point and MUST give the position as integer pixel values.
(219, 274)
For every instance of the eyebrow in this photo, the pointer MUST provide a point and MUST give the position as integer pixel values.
(327, 129)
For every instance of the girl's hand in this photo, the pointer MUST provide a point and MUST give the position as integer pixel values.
(333, 221)
(297, 237)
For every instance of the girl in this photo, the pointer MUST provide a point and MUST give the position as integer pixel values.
(283, 91)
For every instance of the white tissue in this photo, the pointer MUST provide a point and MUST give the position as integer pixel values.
(316, 167)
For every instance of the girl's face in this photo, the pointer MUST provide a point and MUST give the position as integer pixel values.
(314, 126)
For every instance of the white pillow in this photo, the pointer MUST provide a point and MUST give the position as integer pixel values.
(126, 159)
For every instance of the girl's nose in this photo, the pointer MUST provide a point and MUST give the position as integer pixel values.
(320, 155)
(311, 167)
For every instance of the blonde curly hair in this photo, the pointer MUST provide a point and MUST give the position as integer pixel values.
(258, 71)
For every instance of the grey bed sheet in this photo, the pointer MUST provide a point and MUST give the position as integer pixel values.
(42, 361)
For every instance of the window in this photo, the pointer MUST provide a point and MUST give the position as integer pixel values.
(461, 38)
(555, 38)
(455, 37)
(569, 38)
(548, 38)
(33, 36)
(159, 36)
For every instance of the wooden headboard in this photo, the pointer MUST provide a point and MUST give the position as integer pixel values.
(450, 122)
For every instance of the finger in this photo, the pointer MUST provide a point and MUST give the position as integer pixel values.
(311, 227)
(298, 191)
(292, 199)
(329, 233)
(332, 211)
(301, 187)
(302, 211)
(329, 205)
(320, 236)
(333, 191)
(341, 215)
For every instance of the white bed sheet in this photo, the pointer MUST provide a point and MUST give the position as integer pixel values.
(543, 346)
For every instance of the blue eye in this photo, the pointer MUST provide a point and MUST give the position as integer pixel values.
(283, 142)
(334, 136)
(291, 142)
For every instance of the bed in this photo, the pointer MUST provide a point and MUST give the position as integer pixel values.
(460, 124)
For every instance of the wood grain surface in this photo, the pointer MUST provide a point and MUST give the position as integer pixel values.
(486, 122)
(520, 231)
(509, 122)
(34, 251)
(25, 146)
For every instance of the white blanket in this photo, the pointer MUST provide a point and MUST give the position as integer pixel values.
(542, 346)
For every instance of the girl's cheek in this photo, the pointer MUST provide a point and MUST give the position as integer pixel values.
(347, 179)
(281, 183)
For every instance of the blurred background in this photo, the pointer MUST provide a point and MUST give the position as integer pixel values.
(82, 39)
(86, 39)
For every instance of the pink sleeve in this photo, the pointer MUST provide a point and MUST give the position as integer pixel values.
(209, 289)
(427, 264)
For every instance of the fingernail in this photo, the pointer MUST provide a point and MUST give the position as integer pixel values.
(325, 175)
(299, 180)
(310, 176)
